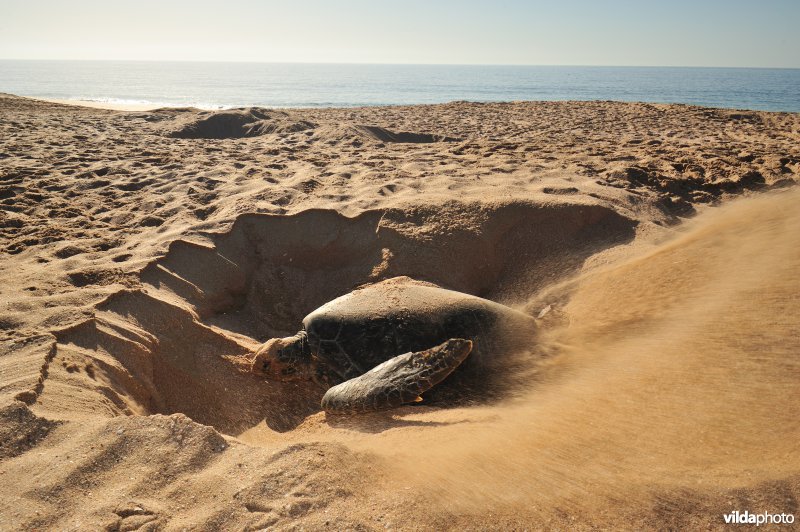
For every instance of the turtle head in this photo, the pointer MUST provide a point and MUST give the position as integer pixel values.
(284, 359)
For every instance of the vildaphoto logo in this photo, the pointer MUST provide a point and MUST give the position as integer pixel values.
(746, 518)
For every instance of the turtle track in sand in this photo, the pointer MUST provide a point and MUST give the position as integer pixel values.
(170, 347)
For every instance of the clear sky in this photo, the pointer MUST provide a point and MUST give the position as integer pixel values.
(759, 33)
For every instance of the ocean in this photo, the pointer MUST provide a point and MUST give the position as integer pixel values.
(223, 85)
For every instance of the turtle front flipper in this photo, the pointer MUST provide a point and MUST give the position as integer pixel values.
(397, 381)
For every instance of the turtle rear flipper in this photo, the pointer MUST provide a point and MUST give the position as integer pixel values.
(397, 381)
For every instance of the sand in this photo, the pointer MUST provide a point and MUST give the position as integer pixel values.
(145, 254)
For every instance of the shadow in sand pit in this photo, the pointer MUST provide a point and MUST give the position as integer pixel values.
(151, 357)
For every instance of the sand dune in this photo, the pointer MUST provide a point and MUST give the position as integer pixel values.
(147, 253)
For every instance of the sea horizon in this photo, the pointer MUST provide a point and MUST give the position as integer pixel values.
(244, 61)
(229, 84)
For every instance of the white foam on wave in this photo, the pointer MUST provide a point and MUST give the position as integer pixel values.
(149, 103)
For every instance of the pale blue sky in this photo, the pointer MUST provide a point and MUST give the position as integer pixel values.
(759, 33)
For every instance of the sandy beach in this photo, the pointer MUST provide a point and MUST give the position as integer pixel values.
(145, 253)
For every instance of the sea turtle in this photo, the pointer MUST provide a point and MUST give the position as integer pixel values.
(383, 345)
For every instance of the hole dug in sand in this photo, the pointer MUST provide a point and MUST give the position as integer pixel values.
(177, 345)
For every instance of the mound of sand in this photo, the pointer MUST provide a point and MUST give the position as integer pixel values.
(358, 134)
(384, 135)
(675, 388)
(140, 272)
(234, 124)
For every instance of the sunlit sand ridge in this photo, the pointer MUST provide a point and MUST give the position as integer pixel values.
(674, 391)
